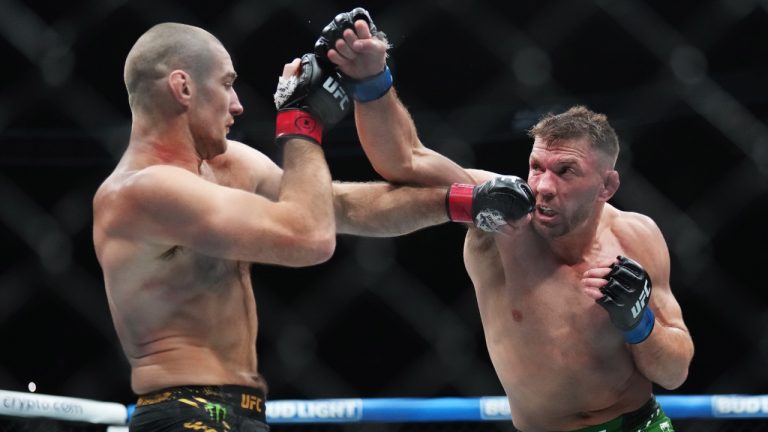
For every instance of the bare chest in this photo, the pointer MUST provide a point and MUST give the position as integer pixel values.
(527, 280)
(548, 340)
(533, 306)
(538, 300)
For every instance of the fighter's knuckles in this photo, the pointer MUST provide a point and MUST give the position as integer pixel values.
(336, 58)
(349, 34)
(362, 29)
(598, 272)
(593, 293)
(340, 45)
(594, 281)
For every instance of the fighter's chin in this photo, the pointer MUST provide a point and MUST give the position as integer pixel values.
(222, 149)
(547, 226)
(214, 150)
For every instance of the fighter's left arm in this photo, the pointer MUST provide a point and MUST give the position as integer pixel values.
(380, 209)
(664, 357)
(384, 209)
(636, 292)
(371, 209)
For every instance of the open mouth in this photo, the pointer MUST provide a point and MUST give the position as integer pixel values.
(545, 211)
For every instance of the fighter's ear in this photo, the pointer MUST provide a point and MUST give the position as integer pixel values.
(610, 185)
(180, 85)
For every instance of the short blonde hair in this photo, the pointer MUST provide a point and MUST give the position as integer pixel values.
(579, 122)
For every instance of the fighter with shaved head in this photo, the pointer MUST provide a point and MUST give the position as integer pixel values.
(185, 211)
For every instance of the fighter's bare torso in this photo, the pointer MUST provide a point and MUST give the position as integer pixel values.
(182, 317)
(561, 361)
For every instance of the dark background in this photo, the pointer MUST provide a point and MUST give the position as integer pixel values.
(683, 82)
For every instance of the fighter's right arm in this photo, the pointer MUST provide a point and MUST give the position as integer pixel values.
(388, 134)
(166, 205)
(391, 143)
(172, 206)
(386, 130)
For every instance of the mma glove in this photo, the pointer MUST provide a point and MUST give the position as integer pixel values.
(491, 204)
(365, 90)
(626, 297)
(309, 103)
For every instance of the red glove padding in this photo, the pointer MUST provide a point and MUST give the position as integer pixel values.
(316, 103)
(295, 122)
(492, 204)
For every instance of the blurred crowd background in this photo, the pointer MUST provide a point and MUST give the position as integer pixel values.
(683, 83)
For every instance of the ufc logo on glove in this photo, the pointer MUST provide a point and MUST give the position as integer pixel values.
(334, 88)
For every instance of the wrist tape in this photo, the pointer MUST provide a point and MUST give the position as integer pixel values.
(643, 328)
(372, 88)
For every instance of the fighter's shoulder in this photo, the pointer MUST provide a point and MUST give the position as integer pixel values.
(240, 156)
(237, 149)
(132, 186)
(152, 177)
(631, 226)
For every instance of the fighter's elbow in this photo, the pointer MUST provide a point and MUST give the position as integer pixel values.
(313, 244)
(402, 172)
(320, 249)
(674, 381)
(673, 372)
(306, 253)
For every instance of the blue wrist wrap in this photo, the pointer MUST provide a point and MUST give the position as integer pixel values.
(371, 88)
(643, 328)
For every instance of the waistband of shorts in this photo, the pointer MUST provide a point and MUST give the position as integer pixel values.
(632, 420)
(246, 401)
(637, 418)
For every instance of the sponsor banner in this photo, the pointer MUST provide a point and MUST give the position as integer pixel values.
(65, 408)
(315, 411)
(494, 408)
(740, 406)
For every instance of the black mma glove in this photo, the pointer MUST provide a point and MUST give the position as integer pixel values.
(626, 296)
(335, 30)
(491, 204)
(367, 89)
(316, 101)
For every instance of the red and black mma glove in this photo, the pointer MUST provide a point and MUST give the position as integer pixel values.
(367, 89)
(317, 102)
(626, 297)
(491, 204)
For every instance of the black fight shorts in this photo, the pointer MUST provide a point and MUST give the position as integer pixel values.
(225, 408)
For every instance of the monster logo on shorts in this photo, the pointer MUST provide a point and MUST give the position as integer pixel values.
(217, 412)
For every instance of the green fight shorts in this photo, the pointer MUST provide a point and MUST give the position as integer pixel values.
(648, 418)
